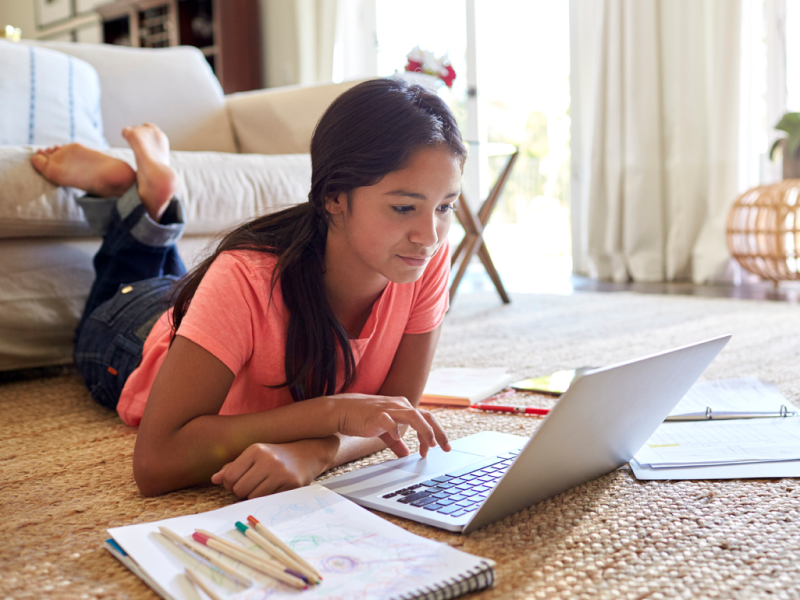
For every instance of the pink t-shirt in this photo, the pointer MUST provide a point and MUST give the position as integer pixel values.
(233, 317)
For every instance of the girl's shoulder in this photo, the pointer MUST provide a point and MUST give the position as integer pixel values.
(248, 261)
(243, 274)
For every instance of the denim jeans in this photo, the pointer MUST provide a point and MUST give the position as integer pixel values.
(136, 268)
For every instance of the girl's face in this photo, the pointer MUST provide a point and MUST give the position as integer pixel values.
(393, 228)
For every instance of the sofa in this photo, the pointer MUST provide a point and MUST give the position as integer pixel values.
(237, 156)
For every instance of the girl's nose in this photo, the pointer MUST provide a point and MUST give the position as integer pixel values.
(424, 232)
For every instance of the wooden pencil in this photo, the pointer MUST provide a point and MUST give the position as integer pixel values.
(277, 541)
(201, 550)
(269, 558)
(277, 553)
(276, 572)
(195, 579)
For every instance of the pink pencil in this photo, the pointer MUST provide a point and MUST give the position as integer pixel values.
(527, 410)
(279, 573)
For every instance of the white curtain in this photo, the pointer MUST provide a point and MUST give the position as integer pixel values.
(356, 55)
(299, 40)
(655, 120)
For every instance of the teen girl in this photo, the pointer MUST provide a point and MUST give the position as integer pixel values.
(305, 340)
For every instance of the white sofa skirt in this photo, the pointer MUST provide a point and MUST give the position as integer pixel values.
(46, 247)
(44, 283)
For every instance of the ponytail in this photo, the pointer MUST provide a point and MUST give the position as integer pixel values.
(297, 237)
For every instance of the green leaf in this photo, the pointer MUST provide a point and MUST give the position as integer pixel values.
(790, 122)
(775, 147)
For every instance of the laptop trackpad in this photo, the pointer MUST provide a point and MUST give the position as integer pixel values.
(437, 462)
(394, 474)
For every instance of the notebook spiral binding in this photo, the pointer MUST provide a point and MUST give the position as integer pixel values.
(471, 581)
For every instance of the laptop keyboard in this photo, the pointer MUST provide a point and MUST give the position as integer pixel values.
(458, 492)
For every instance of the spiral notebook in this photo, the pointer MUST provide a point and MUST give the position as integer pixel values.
(359, 555)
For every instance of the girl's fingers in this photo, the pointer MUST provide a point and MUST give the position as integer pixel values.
(233, 472)
(425, 434)
(438, 431)
(265, 488)
(248, 482)
(388, 426)
(399, 447)
(218, 477)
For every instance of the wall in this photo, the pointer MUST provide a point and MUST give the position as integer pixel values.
(19, 13)
(296, 37)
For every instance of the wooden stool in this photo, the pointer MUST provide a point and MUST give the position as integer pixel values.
(473, 242)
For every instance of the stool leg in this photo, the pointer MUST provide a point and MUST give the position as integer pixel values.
(486, 259)
(469, 247)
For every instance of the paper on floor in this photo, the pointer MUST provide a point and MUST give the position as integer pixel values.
(722, 442)
(744, 394)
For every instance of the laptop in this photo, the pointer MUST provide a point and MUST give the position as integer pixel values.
(597, 426)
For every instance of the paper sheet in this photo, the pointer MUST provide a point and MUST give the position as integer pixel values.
(759, 470)
(744, 394)
(472, 384)
(359, 555)
(722, 442)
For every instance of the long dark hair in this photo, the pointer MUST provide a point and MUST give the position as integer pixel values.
(369, 131)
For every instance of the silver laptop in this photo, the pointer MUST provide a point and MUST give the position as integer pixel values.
(597, 426)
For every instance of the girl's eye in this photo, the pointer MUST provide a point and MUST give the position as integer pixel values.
(402, 209)
(448, 207)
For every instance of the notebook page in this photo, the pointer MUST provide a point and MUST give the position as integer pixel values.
(722, 442)
(472, 384)
(359, 555)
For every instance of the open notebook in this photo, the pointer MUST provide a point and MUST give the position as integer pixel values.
(358, 554)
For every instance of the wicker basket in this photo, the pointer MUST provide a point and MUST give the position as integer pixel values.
(763, 230)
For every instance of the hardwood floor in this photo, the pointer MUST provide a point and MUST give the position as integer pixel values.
(788, 291)
(553, 276)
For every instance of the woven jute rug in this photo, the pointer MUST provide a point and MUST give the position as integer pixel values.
(66, 468)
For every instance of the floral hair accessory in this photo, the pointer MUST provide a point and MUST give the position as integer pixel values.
(423, 61)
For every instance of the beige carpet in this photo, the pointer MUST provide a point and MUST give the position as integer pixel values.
(65, 468)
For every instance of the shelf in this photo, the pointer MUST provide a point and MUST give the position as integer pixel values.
(227, 32)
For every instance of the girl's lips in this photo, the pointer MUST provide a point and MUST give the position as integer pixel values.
(415, 261)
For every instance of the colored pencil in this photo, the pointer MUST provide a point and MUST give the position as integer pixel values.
(276, 572)
(276, 540)
(195, 579)
(269, 559)
(277, 553)
(526, 410)
(204, 552)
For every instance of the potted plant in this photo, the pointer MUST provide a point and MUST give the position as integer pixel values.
(790, 123)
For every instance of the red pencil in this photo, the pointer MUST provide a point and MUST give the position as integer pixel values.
(527, 410)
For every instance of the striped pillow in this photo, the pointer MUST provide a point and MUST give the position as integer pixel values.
(48, 98)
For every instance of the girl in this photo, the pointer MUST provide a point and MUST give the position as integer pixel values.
(305, 340)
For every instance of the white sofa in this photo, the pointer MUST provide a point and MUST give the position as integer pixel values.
(237, 156)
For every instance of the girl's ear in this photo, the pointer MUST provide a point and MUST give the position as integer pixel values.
(336, 204)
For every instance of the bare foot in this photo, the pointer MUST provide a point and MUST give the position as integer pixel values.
(157, 180)
(75, 165)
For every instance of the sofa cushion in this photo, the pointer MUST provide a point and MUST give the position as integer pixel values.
(171, 87)
(281, 120)
(219, 190)
(48, 98)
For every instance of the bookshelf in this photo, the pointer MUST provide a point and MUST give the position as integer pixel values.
(227, 32)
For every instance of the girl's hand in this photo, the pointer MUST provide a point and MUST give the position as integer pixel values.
(366, 416)
(264, 469)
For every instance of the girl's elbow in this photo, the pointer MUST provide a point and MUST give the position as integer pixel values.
(145, 473)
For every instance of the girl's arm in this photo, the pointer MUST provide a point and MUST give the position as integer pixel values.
(406, 378)
(253, 473)
(183, 440)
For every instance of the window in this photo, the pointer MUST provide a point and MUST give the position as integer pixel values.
(522, 74)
